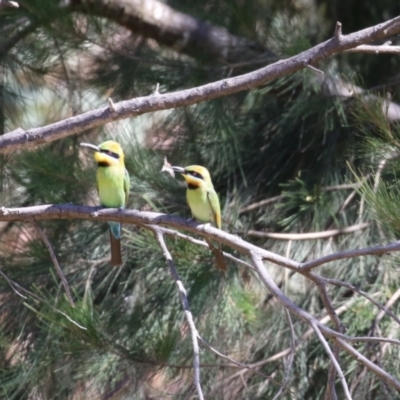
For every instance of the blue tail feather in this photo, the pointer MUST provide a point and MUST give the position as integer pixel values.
(115, 228)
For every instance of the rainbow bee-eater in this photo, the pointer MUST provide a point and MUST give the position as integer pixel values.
(203, 202)
(113, 187)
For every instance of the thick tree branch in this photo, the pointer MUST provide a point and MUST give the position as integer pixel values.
(141, 218)
(8, 3)
(169, 27)
(132, 108)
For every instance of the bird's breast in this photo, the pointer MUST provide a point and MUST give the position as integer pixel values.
(199, 205)
(110, 183)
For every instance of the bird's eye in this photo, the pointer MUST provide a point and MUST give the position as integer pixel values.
(110, 153)
(196, 174)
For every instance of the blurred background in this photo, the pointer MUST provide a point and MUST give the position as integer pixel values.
(281, 158)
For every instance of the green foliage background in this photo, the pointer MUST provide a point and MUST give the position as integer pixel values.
(287, 138)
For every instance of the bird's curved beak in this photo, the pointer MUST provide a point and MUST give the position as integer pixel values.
(90, 146)
(179, 169)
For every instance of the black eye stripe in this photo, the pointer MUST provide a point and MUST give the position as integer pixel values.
(110, 153)
(195, 174)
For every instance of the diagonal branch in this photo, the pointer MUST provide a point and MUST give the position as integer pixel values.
(291, 357)
(339, 338)
(134, 107)
(185, 303)
(296, 310)
(384, 309)
(171, 232)
(284, 352)
(374, 251)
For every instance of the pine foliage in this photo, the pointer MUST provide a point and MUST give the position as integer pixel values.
(286, 141)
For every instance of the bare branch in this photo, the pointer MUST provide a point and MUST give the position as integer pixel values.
(286, 351)
(8, 3)
(142, 105)
(171, 232)
(389, 379)
(384, 309)
(142, 218)
(338, 31)
(179, 31)
(333, 360)
(318, 71)
(370, 49)
(262, 203)
(310, 236)
(293, 308)
(291, 356)
(374, 251)
(259, 204)
(186, 308)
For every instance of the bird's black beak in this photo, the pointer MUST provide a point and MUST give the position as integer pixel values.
(90, 146)
(179, 169)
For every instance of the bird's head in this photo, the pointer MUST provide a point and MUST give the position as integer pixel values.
(195, 175)
(108, 153)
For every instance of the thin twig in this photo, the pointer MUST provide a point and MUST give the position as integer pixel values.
(370, 49)
(55, 262)
(370, 251)
(310, 236)
(287, 303)
(338, 31)
(291, 357)
(333, 360)
(15, 285)
(173, 233)
(330, 393)
(286, 351)
(186, 308)
(370, 365)
(262, 203)
(384, 309)
(312, 68)
(233, 361)
(259, 204)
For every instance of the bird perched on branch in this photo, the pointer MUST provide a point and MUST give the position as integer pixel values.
(203, 202)
(113, 187)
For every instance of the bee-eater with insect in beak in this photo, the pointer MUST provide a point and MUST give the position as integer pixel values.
(113, 187)
(203, 202)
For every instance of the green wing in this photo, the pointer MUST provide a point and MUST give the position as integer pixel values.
(215, 207)
(127, 185)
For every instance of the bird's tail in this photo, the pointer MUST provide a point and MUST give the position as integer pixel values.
(219, 257)
(115, 234)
